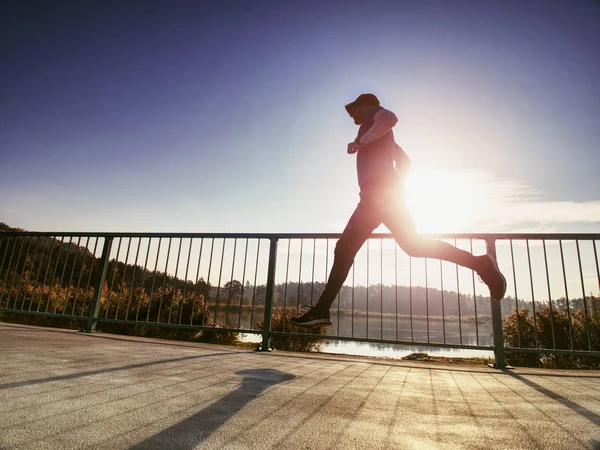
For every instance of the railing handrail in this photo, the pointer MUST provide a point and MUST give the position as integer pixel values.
(483, 236)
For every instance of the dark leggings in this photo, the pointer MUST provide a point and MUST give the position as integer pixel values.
(379, 203)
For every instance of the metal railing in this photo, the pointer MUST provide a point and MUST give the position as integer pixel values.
(250, 283)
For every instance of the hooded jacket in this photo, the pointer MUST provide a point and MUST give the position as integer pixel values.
(375, 158)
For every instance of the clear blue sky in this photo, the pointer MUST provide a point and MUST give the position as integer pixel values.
(228, 116)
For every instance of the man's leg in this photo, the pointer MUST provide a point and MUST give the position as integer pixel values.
(402, 227)
(363, 221)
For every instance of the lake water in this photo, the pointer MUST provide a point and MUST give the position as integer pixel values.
(388, 327)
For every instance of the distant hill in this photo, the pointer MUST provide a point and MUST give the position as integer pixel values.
(5, 227)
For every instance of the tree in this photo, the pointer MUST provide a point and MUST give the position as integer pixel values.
(231, 291)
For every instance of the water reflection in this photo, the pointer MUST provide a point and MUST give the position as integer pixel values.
(451, 330)
(399, 351)
(374, 349)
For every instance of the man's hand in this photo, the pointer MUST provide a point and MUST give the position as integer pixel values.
(353, 148)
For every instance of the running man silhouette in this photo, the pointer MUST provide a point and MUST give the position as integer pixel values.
(381, 164)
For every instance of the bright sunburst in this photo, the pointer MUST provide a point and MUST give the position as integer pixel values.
(440, 201)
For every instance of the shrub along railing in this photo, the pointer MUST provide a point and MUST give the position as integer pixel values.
(237, 283)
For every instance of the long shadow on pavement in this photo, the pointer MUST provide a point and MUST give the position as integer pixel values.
(189, 433)
(107, 370)
(590, 415)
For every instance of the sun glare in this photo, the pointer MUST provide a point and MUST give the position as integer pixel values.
(440, 201)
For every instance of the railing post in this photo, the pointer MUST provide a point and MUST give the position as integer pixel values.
(95, 306)
(500, 363)
(266, 342)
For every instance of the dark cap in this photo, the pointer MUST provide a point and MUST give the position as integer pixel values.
(363, 99)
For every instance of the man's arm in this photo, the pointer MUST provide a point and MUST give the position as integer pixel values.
(384, 121)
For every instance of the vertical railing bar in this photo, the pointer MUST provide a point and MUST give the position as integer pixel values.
(368, 254)
(166, 276)
(16, 277)
(562, 260)
(327, 279)
(37, 275)
(20, 279)
(114, 274)
(208, 286)
(132, 288)
(52, 241)
(52, 280)
(326, 259)
(410, 313)
(496, 308)
(174, 291)
(597, 265)
(300, 272)
(5, 284)
(585, 309)
(474, 298)
(598, 274)
(8, 265)
(339, 299)
(219, 283)
(71, 277)
(87, 242)
(243, 281)
(230, 283)
(255, 280)
(87, 286)
(94, 309)
(62, 275)
(268, 308)
(458, 298)
(142, 288)
(443, 310)
(517, 311)
(312, 282)
(196, 294)
(532, 294)
(37, 243)
(123, 278)
(7, 239)
(287, 269)
(16, 281)
(53, 244)
(353, 272)
(153, 278)
(426, 298)
(549, 294)
(396, 284)
(381, 285)
(185, 281)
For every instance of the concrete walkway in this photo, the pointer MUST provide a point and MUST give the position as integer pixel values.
(64, 389)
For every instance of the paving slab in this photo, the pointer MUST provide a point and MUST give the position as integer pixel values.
(62, 389)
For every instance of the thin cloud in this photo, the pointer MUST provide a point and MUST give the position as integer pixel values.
(510, 205)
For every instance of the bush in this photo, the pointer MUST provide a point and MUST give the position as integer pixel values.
(280, 321)
(195, 308)
(519, 331)
(214, 336)
(43, 321)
